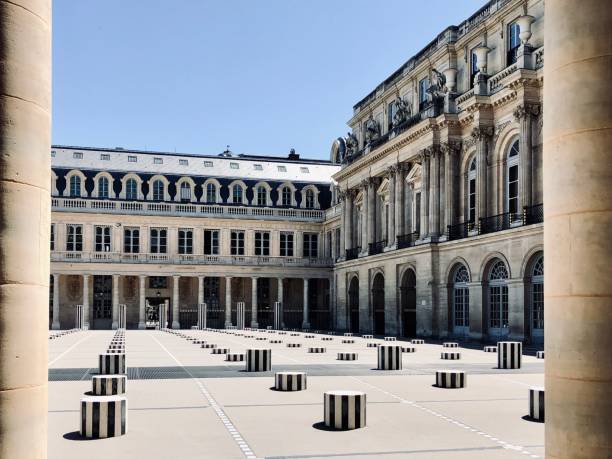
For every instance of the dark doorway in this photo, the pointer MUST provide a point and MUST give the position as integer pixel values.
(353, 295)
(215, 314)
(264, 308)
(318, 303)
(378, 303)
(408, 304)
(102, 302)
(152, 310)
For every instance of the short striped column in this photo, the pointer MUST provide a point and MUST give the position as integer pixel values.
(111, 364)
(536, 403)
(309, 336)
(367, 336)
(327, 338)
(490, 349)
(294, 334)
(108, 384)
(417, 341)
(294, 344)
(234, 357)
(450, 355)
(390, 338)
(450, 379)
(347, 356)
(290, 380)
(408, 349)
(509, 354)
(316, 350)
(348, 334)
(450, 344)
(103, 416)
(389, 357)
(344, 409)
(220, 350)
(348, 341)
(372, 344)
(258, 359)
(209, 346)
(539, 354)
(115, 351)
(275, 341)
(260, 338)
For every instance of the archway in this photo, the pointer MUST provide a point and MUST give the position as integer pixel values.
(460, 301)
(534, 299)
(408, 304)
(353, 295)
(378, 303)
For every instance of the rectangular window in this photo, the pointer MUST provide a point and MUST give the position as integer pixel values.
(183, 162)
(391, 110)
(132, 159)
(52, 237)
(185, 241)
(258, 167)
(473, 67)
(311, 245)
(281, 168)
(237, 243)
(105, 157)
(286, 244)
(234, 166)
(304, 170)
(211, 242)
(514, 42)
(262, 243)
(208, 164)
(159, 240)
(158, 282)
(53, 153)
(102, 238)
(472, 201)
(417, 213)
(513, 189)
(77, 155)
(131, 240)
(423, 87)
(158, 161)
(74, 238)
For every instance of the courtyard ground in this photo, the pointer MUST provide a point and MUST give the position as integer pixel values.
(185, 402)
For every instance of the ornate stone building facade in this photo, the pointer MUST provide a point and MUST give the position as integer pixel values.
(440, 193)
(427, 220)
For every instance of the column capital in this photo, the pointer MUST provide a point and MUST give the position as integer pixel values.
(482, 132)
(86, 276)
(526, 110)
(450, 148)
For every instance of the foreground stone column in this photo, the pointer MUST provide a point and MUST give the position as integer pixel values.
(85, 301)
(305, 320)
(578, 293)
(254, 323)
(55, 324)
(280, 295)
(141, 310)
(228, 302)
(25, 169)
(115, 323)
(175, 302)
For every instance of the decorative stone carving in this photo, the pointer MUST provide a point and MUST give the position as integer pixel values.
(450, 148)
(482, 132)
(402, 112)
(438, 86)
(524, 110)
(352, 144)
(372, 130)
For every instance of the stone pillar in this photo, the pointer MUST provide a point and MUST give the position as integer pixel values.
(115, 323)
(424, 231)
(434, 194)
(200, 290)
(476, 310)
(449, 150)
(228, 302)
(392, 207)
(364, 217)
(175, 302)
(481, 135)
(141, 310)
(85, 301)
(305, 320)
(578, 215)
(348, 220)
(516, 309)
(280, 298)
(524, 115)
(371, 211)
(399, 202)
(254, 323)
(342, 242)
(55, 324)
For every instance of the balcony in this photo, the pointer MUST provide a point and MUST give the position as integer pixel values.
(460, 231)
(377, 247)
(407, 240)
(181, 209)
(352, 254)
(187, 259)
(533, 214)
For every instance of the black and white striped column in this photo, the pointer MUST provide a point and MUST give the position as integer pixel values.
(348, 341)
(450, 355)
(220, 350)
(111, 364)
(417, 341)
(389, 357)
(316, 350)
(408, 349)
(235, 357)
(344, 409)
(371, 344)
(490, 349)
(258, 359)
(103, 416)
(509, 354)
(539, 354)
(290, 380)
(367, 336)
(390, 338)
(294, 344)
(450, 379)
(450, 345)
(108, 384)
(536, 403)
(347, 356)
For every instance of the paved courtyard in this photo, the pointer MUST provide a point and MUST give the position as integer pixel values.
(185, 402)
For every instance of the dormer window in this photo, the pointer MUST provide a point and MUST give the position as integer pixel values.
(132, 159)
(304, 170)
(286, 196)
(208, 164)
(281, 168)
(258, 167)
(423, 87)
(77, 155)
(234, 166)
(158, 161)
(183, 162)
(53, 153)
(104, 157)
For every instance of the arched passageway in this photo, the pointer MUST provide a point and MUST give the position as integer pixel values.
(408, 304)
(353, 296)
(378, 303)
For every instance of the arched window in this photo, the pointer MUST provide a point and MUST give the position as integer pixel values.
(498, 298)
(158, 190)
(185, 192)
(131, 189)
(262, 196)
(75, 186)
(211, 193)
(471, 197)
(103, 188)
(512, 180)
(237, 194)
(461, 301)
(310, 199)
(537, 298)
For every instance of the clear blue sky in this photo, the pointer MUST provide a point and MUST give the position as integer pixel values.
(262, 76)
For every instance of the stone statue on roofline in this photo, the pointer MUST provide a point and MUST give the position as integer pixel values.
(402, 112)
(372, 130)
(438, 85)
(352, 144)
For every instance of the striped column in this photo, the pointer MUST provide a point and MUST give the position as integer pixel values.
(536, 403)
(108, 384)
(347, 356)
(111, 364)
(344, 409)
(258, 359)
(450, 355)
(389, 357)
(290, 380)
(103, 416)
(509, 354)
(450, 379)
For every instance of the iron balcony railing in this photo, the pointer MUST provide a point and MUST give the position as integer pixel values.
(533, 214)
(407, 240)
(187, 259)
(460, 230)
(352, 254)
(377, 247)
